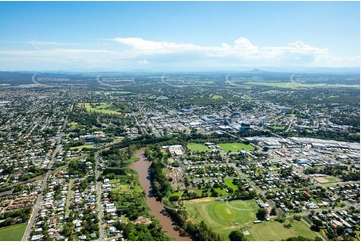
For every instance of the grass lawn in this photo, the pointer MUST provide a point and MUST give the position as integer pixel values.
(197, 147)
(179, 194)
(221, 192)
(216, 96)
(221, 217)
(290, 85)
(229, 183)
(81, 147)
(103, 108)
(278, 127)
(224, 217)
(293, 85)
(234, 147)
(124, 188)
(333, 179)
(276, 231)
(73, 124)
(13, 232)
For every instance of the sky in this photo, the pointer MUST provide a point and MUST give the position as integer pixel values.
(46, 36)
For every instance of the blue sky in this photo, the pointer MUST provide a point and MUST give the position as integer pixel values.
(178, 35)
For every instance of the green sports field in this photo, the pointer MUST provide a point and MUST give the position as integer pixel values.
(197, 147)
(224, 217)
(234, 147)
(13, 232)
(103, 108)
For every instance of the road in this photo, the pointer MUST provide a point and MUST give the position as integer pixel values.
(100, 209)
(99, 201)
(290, 124)
(68, 197)
(36, 209)
(37, 205)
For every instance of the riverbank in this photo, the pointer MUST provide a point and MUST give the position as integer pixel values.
(142, 166)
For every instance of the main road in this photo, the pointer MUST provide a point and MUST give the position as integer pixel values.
(99, 203)
(37, 206)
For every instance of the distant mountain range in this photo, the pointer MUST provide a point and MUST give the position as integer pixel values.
(244, 69)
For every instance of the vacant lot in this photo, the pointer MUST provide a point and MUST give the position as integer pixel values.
(234, 147)
(224, 217)
(12, 233)
(197, 147)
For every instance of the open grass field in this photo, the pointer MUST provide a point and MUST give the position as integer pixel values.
(103, 108)
(333, 179)
(224, 217)
(73, 124)
(321, 180)
(293, 85)
(278, 127)
(81, 147)
(221, 217)
(229, 183)
(276, 231)
(290, 85)
(216, 96)
(13, 232)
(121, 188)
(197, 147)
(234, 147)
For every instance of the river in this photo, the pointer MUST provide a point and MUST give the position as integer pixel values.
(142, 166)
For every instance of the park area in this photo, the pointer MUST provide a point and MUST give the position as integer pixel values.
(197, 147)
(226, 216)
(13, 232)
(102, 108)
(234, 147)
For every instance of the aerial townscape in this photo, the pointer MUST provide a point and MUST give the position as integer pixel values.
(137, 121)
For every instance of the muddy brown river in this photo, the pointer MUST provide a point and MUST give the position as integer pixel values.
(142, 167)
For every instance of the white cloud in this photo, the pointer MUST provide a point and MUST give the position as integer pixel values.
(153, 47)
(244, 44)
(241, 51)
(36, 44)
(143, 61)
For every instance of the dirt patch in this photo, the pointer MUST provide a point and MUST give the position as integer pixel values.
(245, 231)
(322, 180)
(202, 200)
(142, 220)
(228, 211)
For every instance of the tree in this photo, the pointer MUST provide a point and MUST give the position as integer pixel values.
(236, 236)
(317, 222)
(273, 211)
(262, 213)
(298, 238)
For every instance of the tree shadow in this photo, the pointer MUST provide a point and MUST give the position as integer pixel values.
(287, 226)
(315, 228)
